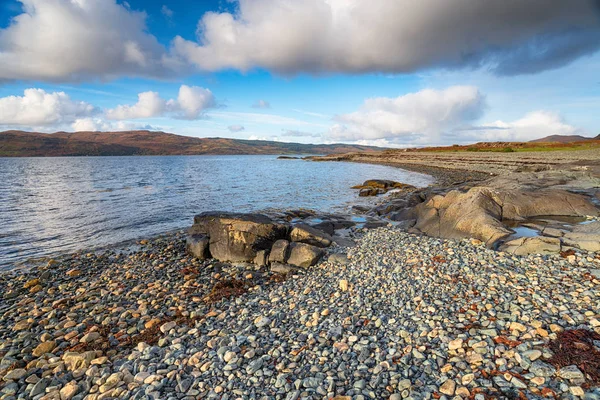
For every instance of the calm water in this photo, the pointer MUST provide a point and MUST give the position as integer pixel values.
(50, 206)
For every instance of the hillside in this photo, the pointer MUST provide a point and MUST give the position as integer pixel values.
(562, 139)
(34, 144)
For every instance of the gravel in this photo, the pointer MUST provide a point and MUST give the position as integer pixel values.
(402, 316)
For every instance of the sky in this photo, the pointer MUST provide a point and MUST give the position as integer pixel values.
(394, 73)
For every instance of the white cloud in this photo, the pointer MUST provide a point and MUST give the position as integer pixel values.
(90, 125)
(98, 124)
(191, 103)
(261, 104)
(290, 36)
(167, 12)
(235, 128)
(39, 108)
(149, 105)
(69, 40)
(534, 125)
(414, 117)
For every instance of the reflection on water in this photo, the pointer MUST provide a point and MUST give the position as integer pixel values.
(55, 205)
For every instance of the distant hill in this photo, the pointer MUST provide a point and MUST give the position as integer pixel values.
(563, 139)
(35, 144)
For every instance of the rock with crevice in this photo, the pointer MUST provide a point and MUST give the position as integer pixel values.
(237, 237)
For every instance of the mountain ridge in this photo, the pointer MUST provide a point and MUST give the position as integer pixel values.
(15, 143)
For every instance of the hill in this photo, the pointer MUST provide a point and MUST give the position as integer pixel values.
(563, 139)
(35, 144)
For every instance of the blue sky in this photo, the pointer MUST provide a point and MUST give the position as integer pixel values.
(305, 71)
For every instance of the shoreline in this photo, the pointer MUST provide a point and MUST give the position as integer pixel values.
(395, 315)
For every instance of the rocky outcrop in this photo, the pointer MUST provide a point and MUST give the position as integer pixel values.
(479, 212)
(374, 187)
(532, 245)
(237, 237)
(255, 238)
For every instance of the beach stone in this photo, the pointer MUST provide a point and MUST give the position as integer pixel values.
(280, 252)
(343, 284)
(74, 361)
(304, 255)
(72, 273)
(455, 344)
(542, 369)
(448, 387)
(341, 259)
(237, 237)
(90, 337)
(31, 283)
(69, 391)
(43, 348)
(167, 326)
(15, 374)
(283, 269)
(198, 246)
(307, 234)
(571, 372)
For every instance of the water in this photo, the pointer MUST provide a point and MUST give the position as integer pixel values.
(50, 206)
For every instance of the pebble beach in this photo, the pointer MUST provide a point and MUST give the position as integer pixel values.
(398, 316)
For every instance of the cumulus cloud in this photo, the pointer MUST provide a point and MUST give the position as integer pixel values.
(39, 108)
(235, 128)
(191, 103)
(261, 104)
(534, 125)
(414, 117)
(289, 36)
(149, 105)
(67, 40)
(90, 125)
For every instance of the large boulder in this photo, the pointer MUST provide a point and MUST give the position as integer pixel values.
(237, 237)
(479, 212)
(307, 234)
(304, 255)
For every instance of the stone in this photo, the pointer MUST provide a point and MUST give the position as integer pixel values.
(43, 348)
(237, 237)
(343, 284)
(262, 258)
(73, 273)
(283, 269)
(304, 255)
(280, 252)
(262, 322)
(307, 234)
(571, 372)
(69, 391)
(15, 374)
(31, 283)
(90, 337)
(540, 368)
(198, 246)
(167, 326)
(341, 259)
(448, 387)
(74, 361)
(455, 344)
